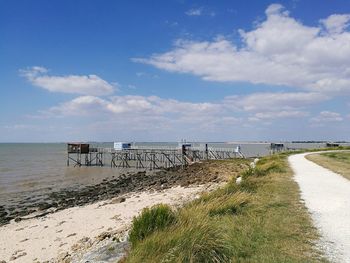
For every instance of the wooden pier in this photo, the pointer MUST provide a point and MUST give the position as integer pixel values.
(146, 158)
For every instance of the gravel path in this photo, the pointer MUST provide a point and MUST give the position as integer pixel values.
(327, 196)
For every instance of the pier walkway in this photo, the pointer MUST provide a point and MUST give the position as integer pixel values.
(146, 158)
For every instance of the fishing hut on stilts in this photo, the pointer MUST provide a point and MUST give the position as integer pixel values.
(82, 154)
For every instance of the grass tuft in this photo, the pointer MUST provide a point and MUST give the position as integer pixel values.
(194, 238)
(228, 204)
(151, 219)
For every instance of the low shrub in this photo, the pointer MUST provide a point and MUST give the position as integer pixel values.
(151, 219)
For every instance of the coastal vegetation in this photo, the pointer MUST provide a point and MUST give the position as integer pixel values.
(151, 219)
(261, 219)
(338, 162)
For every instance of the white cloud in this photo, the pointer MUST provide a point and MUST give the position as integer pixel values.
(278, 51)
(336, 24)
(141, 74)
(135, 105)
(274, 9)
(201, 11)
(277, 101)
(271, 106)
(327, 116)
(154, 117)
(194, 12)
(148, 75)
(280, 114)
(83, 105)
(76, 84)
(145, 113)
(230, 110)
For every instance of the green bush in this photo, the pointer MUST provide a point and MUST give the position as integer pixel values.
(151, 219)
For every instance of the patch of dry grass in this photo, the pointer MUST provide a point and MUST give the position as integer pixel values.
(338, 162)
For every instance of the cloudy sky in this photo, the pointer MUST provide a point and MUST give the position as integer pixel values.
(166, 70)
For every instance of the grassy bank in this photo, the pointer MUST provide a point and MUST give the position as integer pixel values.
(338, 162)
(259, 220)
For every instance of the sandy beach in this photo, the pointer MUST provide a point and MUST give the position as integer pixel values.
(56, 236)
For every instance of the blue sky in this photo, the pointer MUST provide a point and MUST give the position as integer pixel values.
(166, 70)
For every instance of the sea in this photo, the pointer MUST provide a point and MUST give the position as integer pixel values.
(36, 168)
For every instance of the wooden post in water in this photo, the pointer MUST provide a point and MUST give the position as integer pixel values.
(183, 153)
(206, 151)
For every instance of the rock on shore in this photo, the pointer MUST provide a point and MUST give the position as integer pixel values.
(196, 174)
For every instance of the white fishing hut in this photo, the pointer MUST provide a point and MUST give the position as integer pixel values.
(119, 146)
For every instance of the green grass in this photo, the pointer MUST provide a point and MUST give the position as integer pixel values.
(149, 221)
(260, 220)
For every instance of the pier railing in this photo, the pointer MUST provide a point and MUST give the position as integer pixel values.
(150, 157)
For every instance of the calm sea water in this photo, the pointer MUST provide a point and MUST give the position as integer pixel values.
(38, 167)
(30, 168)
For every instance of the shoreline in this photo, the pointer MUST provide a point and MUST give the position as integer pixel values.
(85, 217)
(54, 201)
(72, 232)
